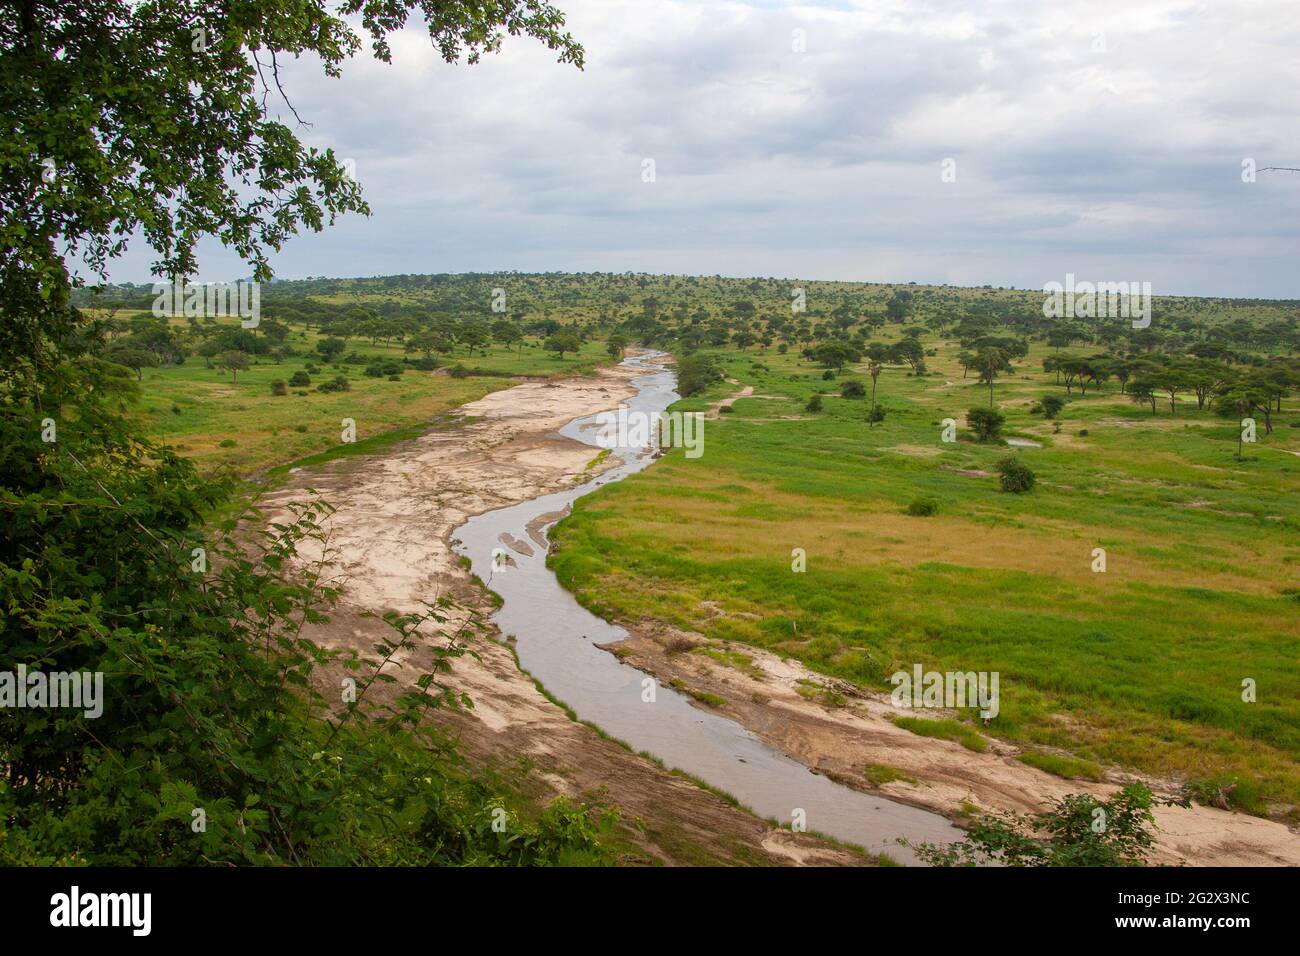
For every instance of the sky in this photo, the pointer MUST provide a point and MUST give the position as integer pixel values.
(1000, 142)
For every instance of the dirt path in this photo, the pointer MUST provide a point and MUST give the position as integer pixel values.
(841, 741)
(716, 408)
(395, 515)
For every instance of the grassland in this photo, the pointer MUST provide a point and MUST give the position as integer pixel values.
(1140, 666)
(237, 423)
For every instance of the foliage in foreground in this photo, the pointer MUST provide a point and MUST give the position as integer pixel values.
(1079, 830)
(210, 688)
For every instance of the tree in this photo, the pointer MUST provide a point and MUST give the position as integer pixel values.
(562, 342)
(1052, 405)
(234, 362)
(835, 355)
(331, 348)
(136, 359)
(1015, 476)
(506, 333)
(911, 351)
(986, 423)
(989, 362)
(877, 356)
(615, 346)
(115, 119)
(1241, 399)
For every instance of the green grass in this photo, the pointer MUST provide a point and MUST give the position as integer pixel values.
(239, 425)
(944, 730)
(1140, 667)
(879, 774)
(1071, 768)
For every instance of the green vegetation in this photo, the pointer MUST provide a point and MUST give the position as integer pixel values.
(878, 774)
(945, 730)
(1080, 830)
(1071, 768)
(213, 741)
(1140, 666)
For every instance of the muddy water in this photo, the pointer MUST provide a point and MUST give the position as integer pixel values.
(556, 640)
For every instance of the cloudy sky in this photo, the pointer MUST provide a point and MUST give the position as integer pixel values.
(809, 140)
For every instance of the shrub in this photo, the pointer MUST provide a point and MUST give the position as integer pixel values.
(339, 384)
(695, 373)
(1052, 405)
(726, 410)
(853, 389)
(986, 423)
(1083, 432)
(278, 387)
(458, 371)
(226, 443)
(424, 364)
(814, 404)
(1016, 475)
(877, 414)
(828, 375)
(922, 507)
(1063, 836)
(384, 369)
(299, 379)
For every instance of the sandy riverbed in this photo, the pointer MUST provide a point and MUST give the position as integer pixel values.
(391, 531)
(394, 520)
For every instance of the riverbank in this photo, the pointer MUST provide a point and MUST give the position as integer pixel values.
(390, 531)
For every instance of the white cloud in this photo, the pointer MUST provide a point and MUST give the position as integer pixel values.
(1102, 138)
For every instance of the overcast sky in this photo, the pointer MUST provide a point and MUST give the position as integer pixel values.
(1103, 138)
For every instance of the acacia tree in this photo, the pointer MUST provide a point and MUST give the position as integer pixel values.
(990, 362)
(875, 365)
(118, 117)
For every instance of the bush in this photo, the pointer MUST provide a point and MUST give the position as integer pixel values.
(726, 410)
(922, 507)
(828, 375)
(695, 373)
(986, 423)
(300, 379)
(424, 364)
(339, 384)
(853, 389)
(1052, 405)
(458, 371)
(384, 369)
(1063, 836)
(1016, 475)
(278, 387)
(1083, 432)
(814, 404)
(877, 414)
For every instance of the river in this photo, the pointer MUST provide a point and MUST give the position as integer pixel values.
(556, 638)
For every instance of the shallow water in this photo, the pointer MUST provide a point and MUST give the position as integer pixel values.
(556, 638)
(1024, 443)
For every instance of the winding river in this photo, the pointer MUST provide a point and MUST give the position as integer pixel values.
(556, 642)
